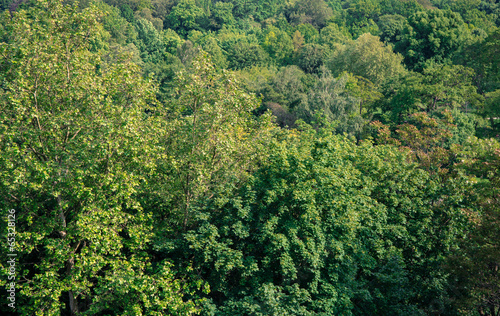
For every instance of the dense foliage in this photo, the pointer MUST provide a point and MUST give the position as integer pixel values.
(198, 157)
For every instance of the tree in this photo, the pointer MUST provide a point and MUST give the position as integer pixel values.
(121, 31)
(391, 27)
(161, 8)
(438, 88)
(314, 12)
(491, 108)
(472, 11)
(150, 42)
(243, 8)
(311, 58)
(432, 36)
(404, 8)
(359, 16)
(475, 266)
(210, 141)
(311, 34)
(134, 5)
(5, 4)
(367, 57)
(484, 58)
(75, 149)
(185, 16)
(298, 41)
(258, 9)
(451, 87)
(288, 87)
(210, 45)
(267, 9)
(426, 138)
(244, 54)
(278, 44)
(147, 14)
(222, 14)
(365, 92)
(362, 10)
(332, 35)
(328, 228)
(331, 99)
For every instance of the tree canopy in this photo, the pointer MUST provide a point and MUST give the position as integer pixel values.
(198, 157)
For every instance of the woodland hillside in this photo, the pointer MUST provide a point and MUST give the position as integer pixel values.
(250, 157)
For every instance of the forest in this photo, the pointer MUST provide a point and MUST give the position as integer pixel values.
(250, 157)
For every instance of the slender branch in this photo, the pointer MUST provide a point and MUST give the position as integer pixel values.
(78, 131)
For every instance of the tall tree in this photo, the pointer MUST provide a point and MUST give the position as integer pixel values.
(210, 141)
(391, 26)
(74, 152)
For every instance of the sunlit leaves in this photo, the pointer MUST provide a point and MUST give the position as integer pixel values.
(210, 135)
(75, 152)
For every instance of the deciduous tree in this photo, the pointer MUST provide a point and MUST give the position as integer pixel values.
(75, 149)
(432, 35)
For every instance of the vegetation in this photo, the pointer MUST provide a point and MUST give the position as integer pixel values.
(197, 157)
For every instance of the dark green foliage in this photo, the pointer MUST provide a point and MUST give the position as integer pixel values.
(150, 42)
(492, 108)
(360, 11)
(359, 16)
(475, 266)
(311, 58)
(432, 36)
(404, 8)
(222, 14)
(127, 13)
(244, 54)
(437, 88)
(484, 58)
(185, 16)
(472, 11)
(267, 9)
(391, 27)
(121, 31)
(258, 9)
(328, 228)
(5, 5)
(243, 9)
